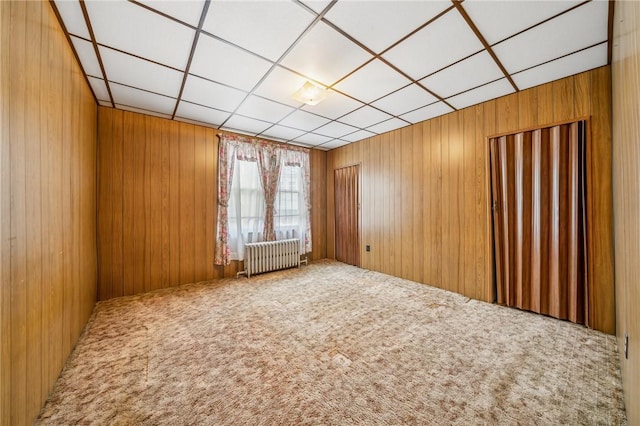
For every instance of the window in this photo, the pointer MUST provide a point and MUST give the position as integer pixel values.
(247, 207)
(289, 205)
(263, 195)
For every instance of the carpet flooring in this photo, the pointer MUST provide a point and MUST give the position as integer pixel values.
(331, 344)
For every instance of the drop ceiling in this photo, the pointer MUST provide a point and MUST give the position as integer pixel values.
(234, 65)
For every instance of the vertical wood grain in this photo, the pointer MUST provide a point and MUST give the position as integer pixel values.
(626, 191)
(417, 249)
(18, 119)
(200, 212)
(5, 213)
(153, 204)
(406, 191)
(395, 196)
(582, 94)
(385, 213)
(457, 249)
(117, 166)
(211, 171)
(600, 203)
(158, 203)
(469, 212)
(318, 204)
(536, 248)
(436, 207)
(187, 204)
(33, 206)
(489, 126)
(563, 99)
(507, 117)
(48, 265)
(554, 253)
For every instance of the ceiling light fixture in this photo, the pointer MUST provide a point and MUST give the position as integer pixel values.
(310, 94)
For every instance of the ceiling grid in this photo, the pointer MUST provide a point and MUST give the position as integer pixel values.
(235, 65)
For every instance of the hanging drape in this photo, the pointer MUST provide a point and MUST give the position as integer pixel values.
(538, 189)
(346, 190)
(300, 158)
(226, 162)
(269, 168)
(270, 157)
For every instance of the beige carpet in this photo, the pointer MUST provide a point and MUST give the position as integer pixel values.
(331, 344)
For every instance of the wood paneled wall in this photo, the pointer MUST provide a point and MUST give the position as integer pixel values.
(157, 204)
(425, 189)
(626, 165)
(48, 178)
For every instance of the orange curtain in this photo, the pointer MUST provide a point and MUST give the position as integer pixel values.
(346, 190)
(538, 189)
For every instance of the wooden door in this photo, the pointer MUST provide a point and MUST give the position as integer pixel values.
(347, 214)
(539, 192)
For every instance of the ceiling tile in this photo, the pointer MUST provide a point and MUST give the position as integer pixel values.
(200, 113)
(336, 143)
(472, 72)
(99, 88)
(246, 124)
(483, 93)
(364, 117)
(72, 16)
(497, 20)
(280, 85)
(372, 81)
(142, 111)
(238, 69)
(582, 27)
(335, 129)
(87, 56)
(407, 99)
(304, 121)
(441, 43)
(140, 99)
(263, 109)
(359, 135)
(211, 94)
(312, 139)
(132, 71)
(196, 122)
(425, 113)
(304, 145)
(387, 126)
(265, 27)
(133, 29)
(563, 67)
(104, 103)
(317, 5)
(325, 55)
(379, 24)
(282, 132)
(185, 11)
(335, 105)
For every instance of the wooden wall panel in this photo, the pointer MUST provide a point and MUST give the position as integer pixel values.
(626, 170)
(48, 154)
(439, 169)
(157, 203)
(318, 204)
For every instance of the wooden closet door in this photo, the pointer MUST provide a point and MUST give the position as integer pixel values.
(347, 202)
(538, 190)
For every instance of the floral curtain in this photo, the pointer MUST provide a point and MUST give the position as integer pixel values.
(269, 164)
(300, 158)
(226, 161)
(270, 158)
